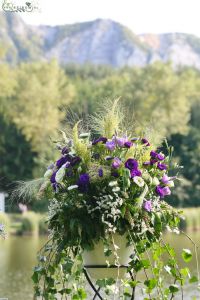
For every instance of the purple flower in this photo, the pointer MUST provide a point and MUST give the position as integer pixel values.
(75, 160)
(145, 141)
(163, 191)
(135, 172)
(165, 179)
(153, 161)
(148, 205)
(131, 164)
(100, 172)
(153, 154)
(62, 161)
(160, 156)
(55, 186)
(83, 182)
(65, 150)
(53, 177)
(110, 145)
(116, 163)
(120, 141)
(162, 166)
(67, 164)
(100, 139)
(128, 144)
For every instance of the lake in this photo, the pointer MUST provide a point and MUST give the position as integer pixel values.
(18, 257)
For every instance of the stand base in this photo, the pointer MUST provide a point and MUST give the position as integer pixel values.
(97, 291)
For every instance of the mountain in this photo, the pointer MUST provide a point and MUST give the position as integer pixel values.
(97, 42)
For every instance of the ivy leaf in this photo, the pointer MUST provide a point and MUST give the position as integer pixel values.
(35, 278)
(186, 255)
(174, 288)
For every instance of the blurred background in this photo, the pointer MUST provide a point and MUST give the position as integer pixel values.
(63, 56)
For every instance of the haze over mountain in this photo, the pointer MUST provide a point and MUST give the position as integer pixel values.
(97, 42)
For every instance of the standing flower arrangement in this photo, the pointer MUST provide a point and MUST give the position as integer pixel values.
(107, 182)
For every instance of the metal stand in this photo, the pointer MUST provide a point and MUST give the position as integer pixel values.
(97, 291)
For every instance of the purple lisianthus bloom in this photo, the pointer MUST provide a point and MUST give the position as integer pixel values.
(67, 164)
(128, 144)
(163, 191)
(61, 161)
(65, 150)
(131, 164)
(153, 154)
(120, 141)
(165, 179)
(110, 145)
(100, 139)
(135, 172)
(145, 141)
(53, 177)
(75, 160)
(160, 156)
(162, 166)
(148, 205)
(83, 182)
(116, 163)
(55, 186)
(100, 172)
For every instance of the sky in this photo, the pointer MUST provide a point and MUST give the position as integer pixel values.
(142, 16)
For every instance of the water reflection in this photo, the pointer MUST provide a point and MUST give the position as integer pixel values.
(18, 257)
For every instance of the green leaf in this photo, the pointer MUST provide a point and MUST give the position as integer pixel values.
(174, 288)
(186, 255)
(193, 279)
(151, 283)
(35, 278)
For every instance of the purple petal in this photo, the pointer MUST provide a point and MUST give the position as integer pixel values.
(131, 164)
(100, 139)
(162, 166)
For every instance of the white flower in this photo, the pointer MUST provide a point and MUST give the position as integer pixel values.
(116, 189)
(48, 173)
(170, 183)
(112, 183)
(139, 181)
(60, 174)
(72, 187)
(155, 181)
